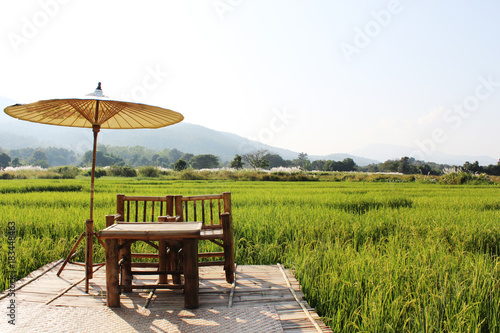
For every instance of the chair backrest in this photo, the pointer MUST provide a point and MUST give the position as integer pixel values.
(200, 208)
(142, 208)
(203, 208)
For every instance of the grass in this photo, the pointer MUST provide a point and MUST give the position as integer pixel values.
(371, 256)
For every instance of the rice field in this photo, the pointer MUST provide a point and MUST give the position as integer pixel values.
(371, 257)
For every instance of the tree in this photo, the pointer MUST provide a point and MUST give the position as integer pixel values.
(333, 166)
(473, 168)
(41, 163)
(174, 155)
(236, 163)
(426, 169)
(349, 164)
(257, 159)
(4, 160)
(317, 165)
(102, 159)
(187, 157)
(389, 166)
(15, 162)
(276, 160)
(39, 158)
(302, 161)
(493, 170)
(180, 165)
(404, 166)
(60, 156)
(204, 161)
(155, 158)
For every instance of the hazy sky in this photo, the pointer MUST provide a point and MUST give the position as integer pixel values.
(314, 76)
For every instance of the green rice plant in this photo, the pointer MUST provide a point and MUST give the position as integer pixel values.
(385, 256)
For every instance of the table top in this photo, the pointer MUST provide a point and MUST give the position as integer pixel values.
(152, 230)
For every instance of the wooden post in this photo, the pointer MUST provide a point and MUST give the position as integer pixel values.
(89, 253)
(112, 284)
(170, 205)
(191, 278)
(120, 203)
(178, 207)
(226, 198)
(110, 220)
(227, 229)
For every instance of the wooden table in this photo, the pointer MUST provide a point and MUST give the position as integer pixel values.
(185, 232)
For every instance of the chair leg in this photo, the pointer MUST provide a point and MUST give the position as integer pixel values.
(228, 247)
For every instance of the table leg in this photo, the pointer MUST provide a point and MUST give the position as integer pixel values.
(174, 260)
(191, 278)
(162, 261)
(112, 284)
(126, 268)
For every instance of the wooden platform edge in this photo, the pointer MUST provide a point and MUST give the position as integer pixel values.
(44, 269)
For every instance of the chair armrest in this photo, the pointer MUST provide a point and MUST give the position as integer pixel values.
(169, 218)
(110, 219)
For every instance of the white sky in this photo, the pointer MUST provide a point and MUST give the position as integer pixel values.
(314, 76)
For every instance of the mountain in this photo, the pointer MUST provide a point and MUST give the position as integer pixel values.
(384, 152)
(188, 138)
(361, 161)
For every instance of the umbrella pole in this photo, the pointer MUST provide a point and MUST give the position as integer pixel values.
(95, 129)
(89, 224)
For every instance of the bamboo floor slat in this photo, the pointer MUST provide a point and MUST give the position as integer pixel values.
(259, 289)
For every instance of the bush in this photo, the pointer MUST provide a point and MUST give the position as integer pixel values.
(149, 171)
(180, 165)
(49, 175)
(122, 171)
(190, 175)
(128, 172)
(5, 175)
(67, 172)
(461, 177)
(115, 170)
(99, 172)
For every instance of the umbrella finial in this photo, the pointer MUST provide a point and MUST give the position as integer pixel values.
(97, 92)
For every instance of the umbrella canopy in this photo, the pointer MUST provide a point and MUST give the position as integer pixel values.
(94, 109)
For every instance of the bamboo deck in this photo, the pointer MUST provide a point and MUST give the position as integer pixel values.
(259, 301)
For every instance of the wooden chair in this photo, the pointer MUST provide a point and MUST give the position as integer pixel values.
(214, 211)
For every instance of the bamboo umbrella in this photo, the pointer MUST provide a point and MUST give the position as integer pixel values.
(94, 111)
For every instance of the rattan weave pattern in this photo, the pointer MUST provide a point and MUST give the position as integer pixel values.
(47, 318)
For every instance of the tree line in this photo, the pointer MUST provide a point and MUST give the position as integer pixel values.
(134, 157)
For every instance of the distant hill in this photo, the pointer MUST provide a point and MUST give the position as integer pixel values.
(188, 138)
(384, 152)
